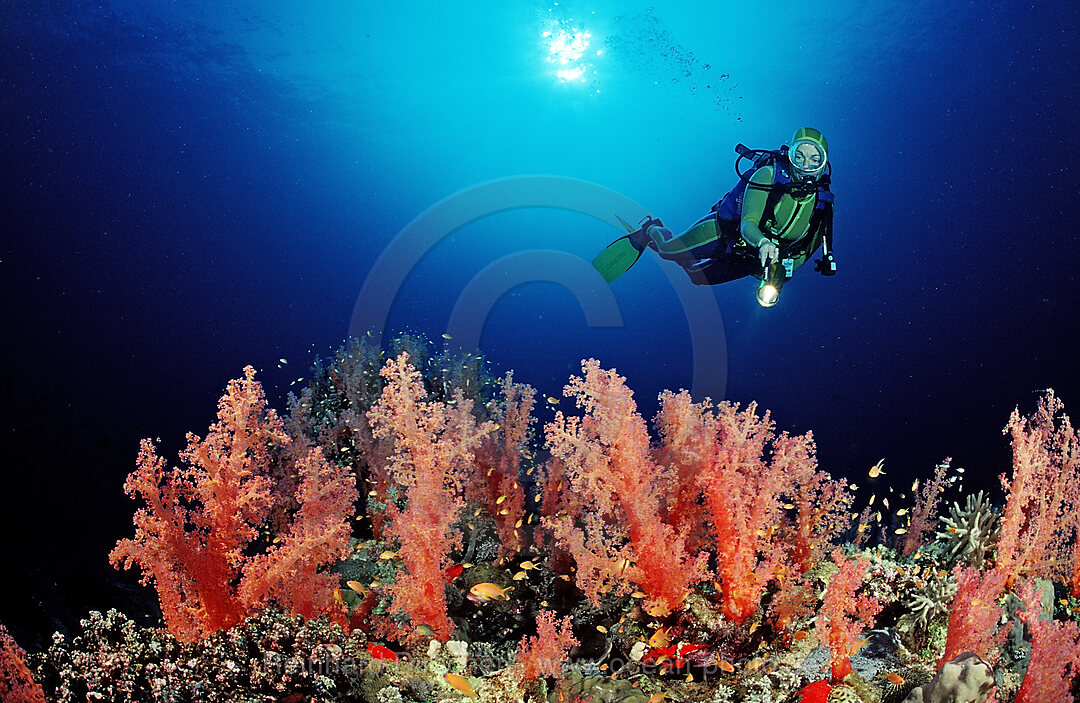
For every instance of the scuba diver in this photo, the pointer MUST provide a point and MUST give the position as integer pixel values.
(767, 226)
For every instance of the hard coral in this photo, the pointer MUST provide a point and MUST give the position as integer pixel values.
(970, 532)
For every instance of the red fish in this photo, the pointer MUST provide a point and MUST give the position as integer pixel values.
(377, 651)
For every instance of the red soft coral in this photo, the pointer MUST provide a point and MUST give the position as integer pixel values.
(1055, 653)
(498, 463)
(844, 614)
(433, 447)
(289, 573)
(1040, 528)
(192, 540)
(16, 683)
(974, 614)
(608, 462)
(545, 654)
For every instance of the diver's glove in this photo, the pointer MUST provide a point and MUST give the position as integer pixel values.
(826, 265)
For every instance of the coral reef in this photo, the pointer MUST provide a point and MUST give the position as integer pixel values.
(603, 559)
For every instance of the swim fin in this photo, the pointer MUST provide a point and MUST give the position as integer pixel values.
(617, 257)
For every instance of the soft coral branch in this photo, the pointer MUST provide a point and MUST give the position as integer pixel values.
(608, 459)
(433, 447)
(1040, 527)
(498, 463)
(291, 572)
(192, 540)
(844, 614)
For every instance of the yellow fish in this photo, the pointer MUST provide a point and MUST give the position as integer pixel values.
(489, 591)
(460, 684)
(660, 638)
(878, 468)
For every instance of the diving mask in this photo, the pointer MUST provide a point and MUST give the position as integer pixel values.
(807, 158)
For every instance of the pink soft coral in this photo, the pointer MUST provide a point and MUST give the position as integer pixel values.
(735, 474)
(1040, 528)
(545, 654)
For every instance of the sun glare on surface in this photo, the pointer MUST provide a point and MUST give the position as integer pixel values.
(568, 51)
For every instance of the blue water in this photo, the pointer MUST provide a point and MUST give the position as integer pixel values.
(190, 187)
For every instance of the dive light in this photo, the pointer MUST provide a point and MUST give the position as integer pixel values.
(768, 292)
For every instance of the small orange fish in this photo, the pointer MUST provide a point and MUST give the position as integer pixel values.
(358, 587)
(660, 638)
(800, 635)
(895, 678)
(460, 683)
(489, 591)
(725, 665)
(857, 646)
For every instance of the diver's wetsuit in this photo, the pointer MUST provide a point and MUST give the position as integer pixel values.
(713, 250)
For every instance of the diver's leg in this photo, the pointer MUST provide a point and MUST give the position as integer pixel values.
(643, 236)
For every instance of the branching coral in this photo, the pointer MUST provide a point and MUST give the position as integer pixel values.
(927, 603)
